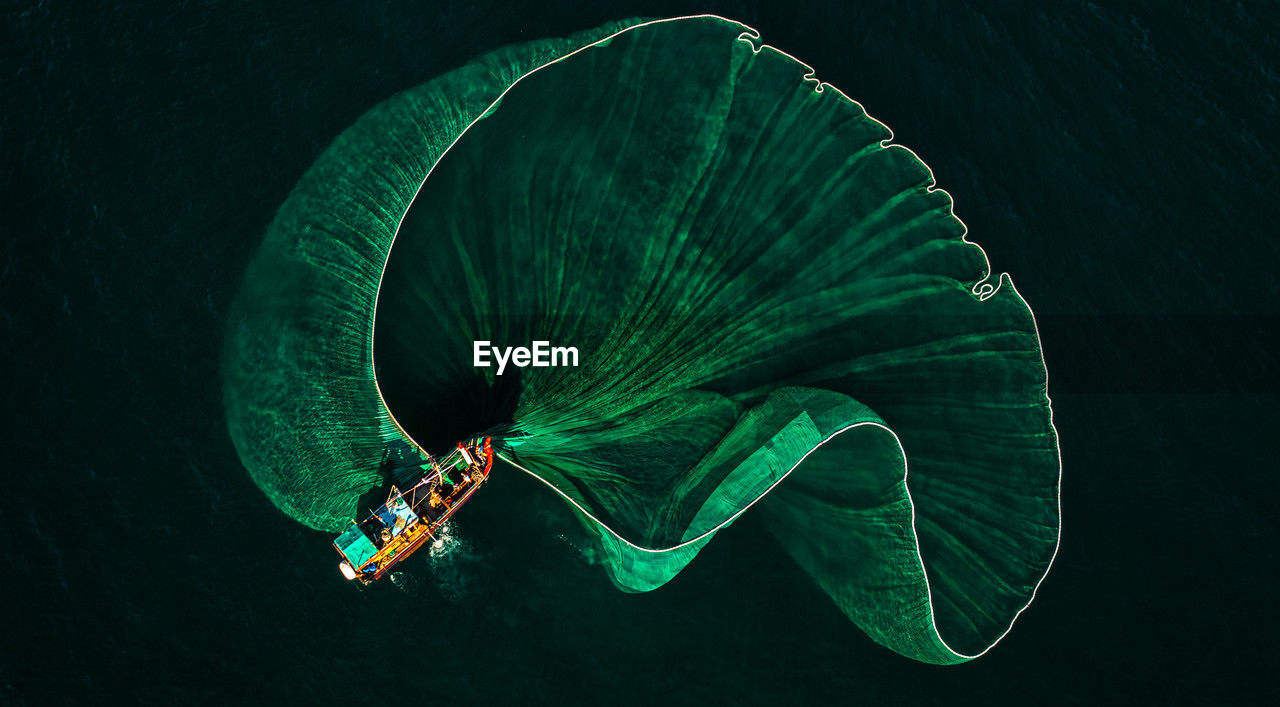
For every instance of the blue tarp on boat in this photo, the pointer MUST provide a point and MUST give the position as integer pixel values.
(394, 510)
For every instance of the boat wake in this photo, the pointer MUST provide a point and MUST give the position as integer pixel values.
(452, 560)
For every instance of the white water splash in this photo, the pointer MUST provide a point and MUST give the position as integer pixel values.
(451, 559)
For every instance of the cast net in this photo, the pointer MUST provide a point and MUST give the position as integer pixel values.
(771, 306)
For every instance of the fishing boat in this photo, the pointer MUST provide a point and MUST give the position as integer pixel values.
(413, 517)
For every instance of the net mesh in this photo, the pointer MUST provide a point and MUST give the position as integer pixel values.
(772, 309)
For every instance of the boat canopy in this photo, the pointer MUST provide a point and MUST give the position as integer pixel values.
(357, 548)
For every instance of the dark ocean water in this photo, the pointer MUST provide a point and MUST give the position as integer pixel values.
(1120, 165)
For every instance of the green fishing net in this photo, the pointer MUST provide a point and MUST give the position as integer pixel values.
(773, 312)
